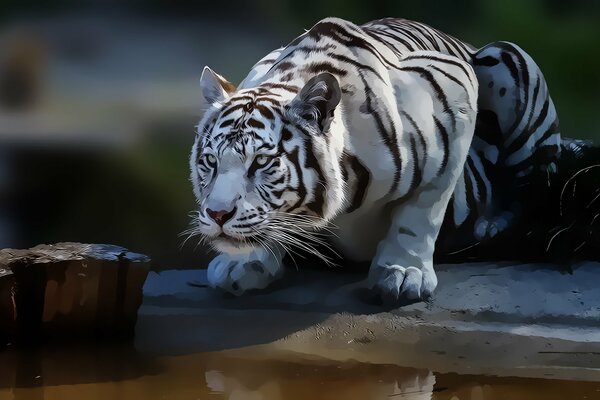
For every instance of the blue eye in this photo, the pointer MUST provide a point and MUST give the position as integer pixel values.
(261, 160)
(211, 159)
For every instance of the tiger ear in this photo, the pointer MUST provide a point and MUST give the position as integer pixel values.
(214, 88)
(317, 100)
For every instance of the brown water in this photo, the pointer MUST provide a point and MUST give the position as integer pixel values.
(76, 374)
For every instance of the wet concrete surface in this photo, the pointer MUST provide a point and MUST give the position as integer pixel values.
(506, 319)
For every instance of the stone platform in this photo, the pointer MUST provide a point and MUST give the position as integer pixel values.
(501, 319)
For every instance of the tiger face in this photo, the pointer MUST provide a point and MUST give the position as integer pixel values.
(265, 162)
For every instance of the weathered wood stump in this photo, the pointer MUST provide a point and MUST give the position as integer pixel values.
(8, 310)
(70, 291)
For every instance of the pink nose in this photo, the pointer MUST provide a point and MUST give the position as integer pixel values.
(222, 216)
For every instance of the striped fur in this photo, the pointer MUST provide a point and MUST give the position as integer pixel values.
(369, 128)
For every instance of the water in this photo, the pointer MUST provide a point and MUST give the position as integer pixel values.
(108, 373)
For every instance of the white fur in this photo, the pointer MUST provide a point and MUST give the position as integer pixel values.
(395, 229)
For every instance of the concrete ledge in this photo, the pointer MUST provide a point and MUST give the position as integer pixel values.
(505, 319)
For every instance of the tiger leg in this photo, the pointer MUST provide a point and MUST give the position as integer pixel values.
(516, 117)
(238, 273)
(402, 268)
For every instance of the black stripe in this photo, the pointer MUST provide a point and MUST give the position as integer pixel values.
(399, 39)
(523, 68)
(289, 88)
(355, 63)
(487, 61)
(268, 100)
(377, 37)
(481, 188)
(277, 193)
(526, 134)
(452, 78)
(265, 196)
(417, 174)
(287, 77)
(247, 217)
(446, 143)
(284, 66)
(310, 50)
(242, 226)
(512, 67)
(393, 143)
(536, 91)
(227, 123)
(463, 52)
(318, 67)
(410, 32)
(302, 129)
(339, 34)
(472, 203)
(270, 172)
(254, 123)
(406, 231)
(318, 202)
(301, 190)
(419, 133)
(240, 97)
(278, 181)
(265, 62)
(436, 88)
(441, 59)
(362, 179)
(406, 36)
(285, 134)
(266, 145)
(553, 129)
(389, 138)
(231, 110)
(426, 35)
(264, 111)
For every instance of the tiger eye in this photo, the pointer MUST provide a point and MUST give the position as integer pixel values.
(209, 159)
(261, 159)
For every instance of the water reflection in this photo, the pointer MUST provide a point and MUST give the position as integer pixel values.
(101, 373)
(244, 379)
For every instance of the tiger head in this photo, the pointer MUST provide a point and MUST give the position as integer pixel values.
(265, 165)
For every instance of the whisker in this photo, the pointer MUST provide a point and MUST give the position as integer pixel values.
(264, 245)
(308, 236)
(306, 246)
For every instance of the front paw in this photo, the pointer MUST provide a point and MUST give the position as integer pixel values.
(397, 286)
(238, 274)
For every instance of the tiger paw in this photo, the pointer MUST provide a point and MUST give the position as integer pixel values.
(397, 286)
(488, 228)
(241, 273)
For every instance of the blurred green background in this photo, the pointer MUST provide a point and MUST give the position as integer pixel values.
(98, 99)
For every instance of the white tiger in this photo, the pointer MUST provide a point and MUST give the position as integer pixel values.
(351, 126)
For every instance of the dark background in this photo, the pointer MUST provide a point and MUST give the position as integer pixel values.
(98, 99)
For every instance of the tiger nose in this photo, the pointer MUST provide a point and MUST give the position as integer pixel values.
(222, 216)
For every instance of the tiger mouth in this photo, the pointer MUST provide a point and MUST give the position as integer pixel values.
(239, 242)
